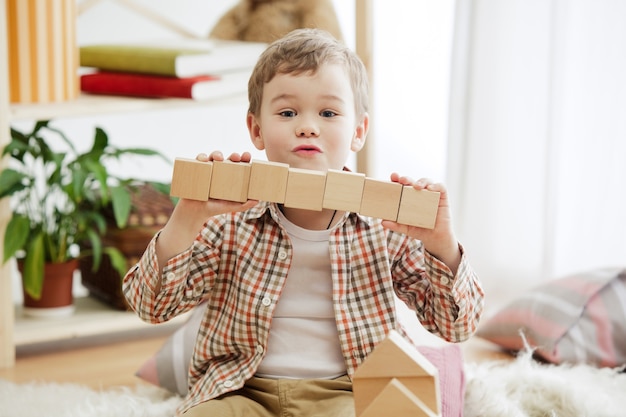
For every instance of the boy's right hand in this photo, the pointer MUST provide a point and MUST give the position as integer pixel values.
(189, 216)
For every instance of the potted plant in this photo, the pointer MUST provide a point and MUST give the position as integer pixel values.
(58, 199)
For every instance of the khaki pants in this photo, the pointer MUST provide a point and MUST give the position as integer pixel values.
(262, 397)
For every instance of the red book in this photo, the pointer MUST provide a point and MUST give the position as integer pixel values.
(145, 85)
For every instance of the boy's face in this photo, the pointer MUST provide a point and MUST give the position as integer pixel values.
(308, 120)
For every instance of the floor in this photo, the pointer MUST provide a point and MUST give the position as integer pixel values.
(96, 362)
(111, 361)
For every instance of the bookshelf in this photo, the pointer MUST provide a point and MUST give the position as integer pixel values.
(89, 105)
(91, 317)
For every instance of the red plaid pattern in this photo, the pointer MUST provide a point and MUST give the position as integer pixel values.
(239, 262)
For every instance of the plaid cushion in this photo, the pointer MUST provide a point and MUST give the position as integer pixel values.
(576, 319)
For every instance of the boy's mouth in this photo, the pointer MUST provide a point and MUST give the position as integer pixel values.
(307, 149)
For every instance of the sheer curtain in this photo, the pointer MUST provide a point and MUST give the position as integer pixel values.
(537, 138)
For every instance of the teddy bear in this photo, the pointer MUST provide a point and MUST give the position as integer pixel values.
(267, 20)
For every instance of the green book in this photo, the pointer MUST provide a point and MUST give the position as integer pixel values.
(215, 57)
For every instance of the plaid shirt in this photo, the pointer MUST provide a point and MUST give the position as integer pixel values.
(239, 263)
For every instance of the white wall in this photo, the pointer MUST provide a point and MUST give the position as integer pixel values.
(537, 140)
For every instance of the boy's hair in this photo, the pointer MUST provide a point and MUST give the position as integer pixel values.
(306, 50)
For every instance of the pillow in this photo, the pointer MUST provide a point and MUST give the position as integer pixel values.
(168, 368)
(580, 318)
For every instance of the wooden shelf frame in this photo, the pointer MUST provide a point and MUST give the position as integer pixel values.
(90, 318)
(13, 329)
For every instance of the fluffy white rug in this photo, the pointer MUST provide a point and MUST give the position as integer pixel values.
(526, 388)
(519, 388)
(71, 400)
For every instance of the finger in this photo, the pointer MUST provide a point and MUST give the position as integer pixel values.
(202, 157)
(216, 156)
(234, 157)
(404, 180)
(395, 227)
(246, 157)
(422, 183)
(439, 187)
(232, 207)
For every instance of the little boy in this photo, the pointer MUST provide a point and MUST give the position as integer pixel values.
(297, 299)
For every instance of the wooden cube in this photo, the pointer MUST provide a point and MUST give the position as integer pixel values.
(381, 199)
(344, 190)
(191, 179)
(230, 181)
(268, 181)
(418, 207)
(305, 189)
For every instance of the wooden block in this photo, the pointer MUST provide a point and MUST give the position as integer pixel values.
(230, 181)
(395, 357)
(305, 189)
(268, 181)
(426, 388)
(191, 179)
(344, 190)
(381, 199)
(418, 207)
(395, 399)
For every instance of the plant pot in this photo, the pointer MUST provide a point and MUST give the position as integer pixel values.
(56, 296)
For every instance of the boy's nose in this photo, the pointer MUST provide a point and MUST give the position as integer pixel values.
(306, 131)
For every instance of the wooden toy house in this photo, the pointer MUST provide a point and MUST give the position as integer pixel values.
(396, 380)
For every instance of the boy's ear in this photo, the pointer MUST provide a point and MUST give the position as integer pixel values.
(254, 129)
(360, 133)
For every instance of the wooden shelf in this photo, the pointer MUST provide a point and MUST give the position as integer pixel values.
(89, 105)
(91, 318)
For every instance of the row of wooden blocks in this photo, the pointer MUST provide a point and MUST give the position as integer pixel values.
(304, 189)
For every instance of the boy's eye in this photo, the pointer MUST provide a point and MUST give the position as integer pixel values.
(327, 113)
(287, 113)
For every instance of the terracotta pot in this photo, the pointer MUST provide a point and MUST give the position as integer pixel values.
(56, 296)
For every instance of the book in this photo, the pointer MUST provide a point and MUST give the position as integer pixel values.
(201, 87)
(183, 59)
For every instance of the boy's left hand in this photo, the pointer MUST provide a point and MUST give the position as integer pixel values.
(439, 241)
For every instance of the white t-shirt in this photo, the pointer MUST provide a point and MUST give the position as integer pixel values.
(303, 341)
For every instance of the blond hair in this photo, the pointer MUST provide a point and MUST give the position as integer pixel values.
(306, 50)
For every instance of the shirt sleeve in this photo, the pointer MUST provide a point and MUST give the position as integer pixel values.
(447, 305)
(182, 285)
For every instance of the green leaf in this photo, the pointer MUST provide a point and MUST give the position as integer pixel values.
(118, 260)
(96, 248)
(100, 140)
(15, 236)
(11, 181)
(100, 173)
(32, 275)
(142, 151)
(122, 204)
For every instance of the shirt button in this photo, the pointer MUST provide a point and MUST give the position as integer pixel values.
(282, 255)
(444, 280)
(259, 349)
(170, 276)
(266, 301)
(228, 383)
